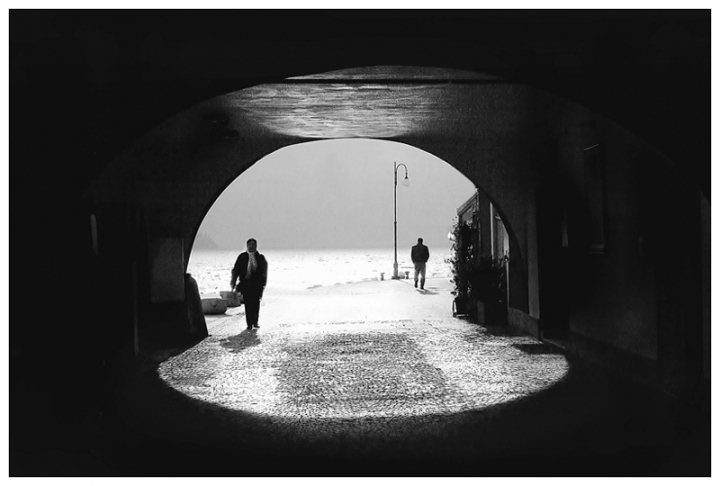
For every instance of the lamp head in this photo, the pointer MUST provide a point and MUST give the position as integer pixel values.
(406, 181)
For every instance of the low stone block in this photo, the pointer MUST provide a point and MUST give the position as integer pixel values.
(214, 306)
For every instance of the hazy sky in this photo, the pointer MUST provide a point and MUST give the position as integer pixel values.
(339, 194)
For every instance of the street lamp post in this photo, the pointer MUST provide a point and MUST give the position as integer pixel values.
(406, 183)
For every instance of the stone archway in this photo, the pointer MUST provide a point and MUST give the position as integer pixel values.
(178, 169)
(491, 130)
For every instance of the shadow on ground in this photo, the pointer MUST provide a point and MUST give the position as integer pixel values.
(427, 292)
(240, 342)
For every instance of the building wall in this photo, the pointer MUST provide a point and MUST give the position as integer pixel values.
(612, 294)
(706, 278)
(467, 210)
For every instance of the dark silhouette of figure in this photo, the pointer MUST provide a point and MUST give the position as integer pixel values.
(250, 273)
(194, 305)
(419, 256)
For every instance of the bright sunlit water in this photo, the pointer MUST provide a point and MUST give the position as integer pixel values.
(303, 269)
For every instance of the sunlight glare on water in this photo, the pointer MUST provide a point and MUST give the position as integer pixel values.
(303, 269)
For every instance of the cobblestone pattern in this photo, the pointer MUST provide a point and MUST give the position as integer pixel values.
(361, 370)
(381, 375)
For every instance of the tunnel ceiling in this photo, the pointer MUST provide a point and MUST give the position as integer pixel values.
(115, 76)
(377, 102)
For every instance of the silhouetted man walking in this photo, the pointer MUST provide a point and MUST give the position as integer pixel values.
(251, 268)
(420, 255)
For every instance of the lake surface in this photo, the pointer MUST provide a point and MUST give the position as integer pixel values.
(303, 269)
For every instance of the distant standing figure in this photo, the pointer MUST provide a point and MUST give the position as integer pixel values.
(420, 255)
(251, 270)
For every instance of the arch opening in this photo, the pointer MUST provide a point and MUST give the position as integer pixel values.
(337, 194)
(317, 332)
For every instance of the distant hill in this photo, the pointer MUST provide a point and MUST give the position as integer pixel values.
(202, 240)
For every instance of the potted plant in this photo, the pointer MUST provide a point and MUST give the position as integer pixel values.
(462, 254)
(479, 280)
(486, 288)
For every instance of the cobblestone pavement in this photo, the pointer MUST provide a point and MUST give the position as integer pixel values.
(379, 373)
(342, 370)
